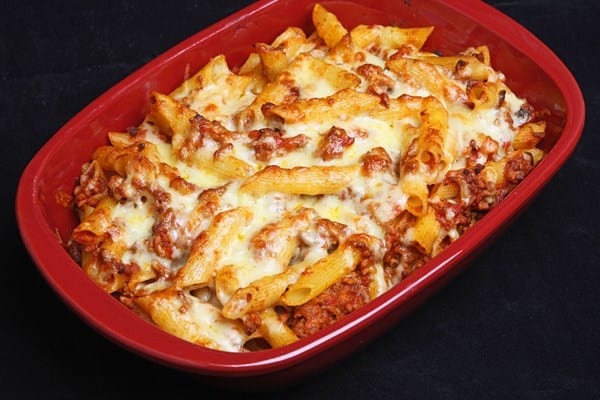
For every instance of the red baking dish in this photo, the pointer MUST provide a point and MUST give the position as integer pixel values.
(533, 71)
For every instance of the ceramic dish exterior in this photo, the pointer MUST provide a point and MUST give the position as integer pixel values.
(533, 71)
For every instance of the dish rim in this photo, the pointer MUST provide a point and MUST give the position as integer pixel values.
(178, 353)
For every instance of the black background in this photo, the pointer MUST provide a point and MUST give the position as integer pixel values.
(521, 322)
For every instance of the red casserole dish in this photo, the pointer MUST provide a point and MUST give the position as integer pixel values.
(532, 70)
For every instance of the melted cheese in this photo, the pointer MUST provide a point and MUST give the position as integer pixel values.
(360, 208)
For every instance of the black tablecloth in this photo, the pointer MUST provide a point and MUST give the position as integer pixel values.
(521, 322)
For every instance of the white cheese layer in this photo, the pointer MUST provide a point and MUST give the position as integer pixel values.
(362, 207)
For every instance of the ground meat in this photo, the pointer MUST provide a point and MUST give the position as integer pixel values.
(517, 168)
(252, 322)
(378, 81)
(333, 144)
(375, 161)
(162, 243)
(331, 232)
(340, 299)
(407, 257)
(213, 129)
(269, 143)
(92, 186)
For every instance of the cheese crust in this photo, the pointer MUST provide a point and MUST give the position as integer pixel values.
(256, 205)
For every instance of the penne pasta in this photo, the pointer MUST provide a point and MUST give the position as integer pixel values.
(209, 246)
(327, 25)
(329, 110)
(322, 274)
(394, 37)
(274, 331)
(184, 316)
(300, 180)
(262, 293)
(255, 205)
